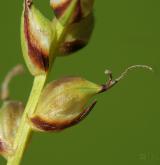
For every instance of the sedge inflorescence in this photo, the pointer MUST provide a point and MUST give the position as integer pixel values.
(61, 103)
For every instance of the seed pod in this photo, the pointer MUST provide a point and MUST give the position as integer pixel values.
(37, 38)
(77, 36)
(63, 102)
(82, 9)
(10, 116)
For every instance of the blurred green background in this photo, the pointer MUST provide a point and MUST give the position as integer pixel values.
(124, 128)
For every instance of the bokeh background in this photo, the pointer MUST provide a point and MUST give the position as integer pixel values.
(124, 128)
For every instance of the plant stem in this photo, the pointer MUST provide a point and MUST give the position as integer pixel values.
(24, 130)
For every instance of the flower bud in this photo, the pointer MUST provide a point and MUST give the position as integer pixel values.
(82, 8)
(63, 102)
(10, 116)
(77, 36)
(37, 38)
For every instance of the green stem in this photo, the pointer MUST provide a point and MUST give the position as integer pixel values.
(24, 130)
